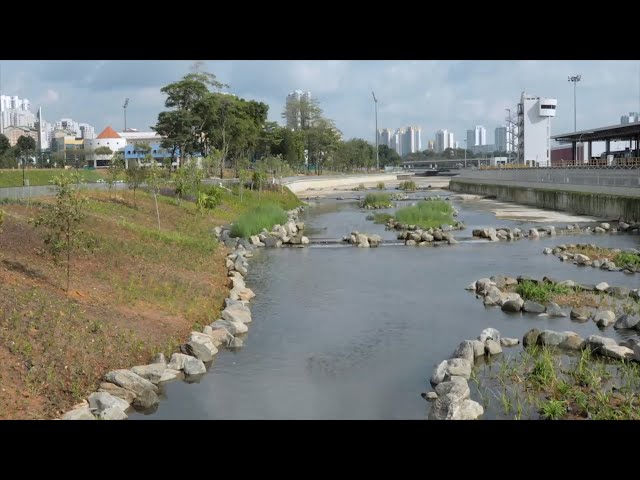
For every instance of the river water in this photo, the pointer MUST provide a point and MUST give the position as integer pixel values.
(340, 332)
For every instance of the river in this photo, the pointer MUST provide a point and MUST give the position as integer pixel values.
(340, 332)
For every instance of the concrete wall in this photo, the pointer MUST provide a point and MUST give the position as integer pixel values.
(327, 182)
(579, 200)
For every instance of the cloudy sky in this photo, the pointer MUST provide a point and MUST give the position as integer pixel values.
(455, 95)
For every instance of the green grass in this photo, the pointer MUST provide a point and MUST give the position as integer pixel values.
(381, 218)
(426, 214)
(13, 178)
(263, 216)
(380, 186)
(542, 293)
(376, 200)
(627, 259)
(408, 185)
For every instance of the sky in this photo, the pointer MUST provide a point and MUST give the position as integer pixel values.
(443, 94)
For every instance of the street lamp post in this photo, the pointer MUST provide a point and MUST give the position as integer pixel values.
(580, 141)
(375, 102)
(575, 79)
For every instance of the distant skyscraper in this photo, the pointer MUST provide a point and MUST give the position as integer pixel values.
(294, 117)
(417, 139)
(631, 118)
(480, 135)
(501, 139)
(444, 140)
(384, 137)
(471, 139)
(452, 142)
(431, 145)
(87, 131)
(15, 111)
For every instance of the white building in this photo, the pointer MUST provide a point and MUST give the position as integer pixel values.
(534, 129)
(87, 131)
(416, 139)
(397, 141)
(68, 125)
(631, 118)
(480, 135)
(451, 143)
(384, 137)
(442, 141)
(107, 138)
(294, 116)
(16, 112)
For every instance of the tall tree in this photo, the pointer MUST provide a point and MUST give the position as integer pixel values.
(4, 144)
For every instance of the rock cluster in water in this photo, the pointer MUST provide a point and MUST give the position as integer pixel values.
(451, 395)
(580, 259)
(291, 233)
(362, 240)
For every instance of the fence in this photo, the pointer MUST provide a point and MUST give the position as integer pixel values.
(590, 175)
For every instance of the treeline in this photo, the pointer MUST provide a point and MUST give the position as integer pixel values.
(15, 156)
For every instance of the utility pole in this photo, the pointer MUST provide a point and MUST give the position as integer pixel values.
(375, 101)
(574, 79)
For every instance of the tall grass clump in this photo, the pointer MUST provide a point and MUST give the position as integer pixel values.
(426, 214)
(376, 200)
(627, 260)
(408, 186)
(380, 185)
(253, 221)
(542, 293)
(381, 218)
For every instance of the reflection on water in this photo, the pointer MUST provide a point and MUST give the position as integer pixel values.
(351, 333)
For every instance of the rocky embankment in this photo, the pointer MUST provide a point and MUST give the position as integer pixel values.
(493, 292)
(138, 387)
(561, 251)
(451, 395)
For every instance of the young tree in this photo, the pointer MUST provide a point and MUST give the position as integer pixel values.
(155, 179)
(135, 177)
(115, 169)
(25, 149)
(62, 219)
(187, 180)
(244, 174)
(4, 144)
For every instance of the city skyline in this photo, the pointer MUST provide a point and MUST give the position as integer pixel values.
(433, 94)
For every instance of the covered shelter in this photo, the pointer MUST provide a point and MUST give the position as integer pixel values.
(627, 132)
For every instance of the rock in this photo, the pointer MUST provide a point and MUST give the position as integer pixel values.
(567, 283)
(169, 374)
(465, 350)
(235, 342)
(456, 387)
(580, 314)
(547, 251)
(514, 305)
(594, 342)
(596, 264)
(491, 347)
(533, 233)
(494, 294)
(625, 321)
(471, 286)
(202, 347)
(604, 318)
(129, 380)
(554, 310)
(113, 413)
(599, 230)
(220, 336)
(631, 343)
(430, 396)
(79, 414)
(533, 307)
(616, 352)
(568, 340)
(410, 243)
(152, 372)
(193, 366)
(619, 292)
(237, 313)
(374, 240)
(605, 226)
(489, 333)
(118, 392)
(483, 285)
(234, 328)
(581, 259)
(304, 240)
(449, 368)
(509, 342)
(246, 294)
(478, 348)
(103, 400)
(468, 410)
(500, 281)
(146, 400)
(488, 301)
(602, 286)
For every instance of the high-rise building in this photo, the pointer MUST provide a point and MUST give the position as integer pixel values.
(87, 131)
(501, 138)
(631, 118)
(15, 112)
(534, 129)
(471, 139)
(384, 137)
(444, 140)
(480, 135)
(296, 114)
(431, 145)
(452, 142)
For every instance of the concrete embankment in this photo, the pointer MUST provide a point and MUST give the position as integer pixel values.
(582, 201)
(305, 183)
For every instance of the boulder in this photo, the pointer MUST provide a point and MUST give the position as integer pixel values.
(616, 352)
(471, 286)
(234, 328)
(457, 387)
(465, 350)
(468, 410)
(102, 400)
(509, 342)
(119, 392)
(82, 413)
(602, 286)
(581, 259)
(489, 333)
(237, 313)
(410, 243)
(567, 283)
(569, 340)
(625, 321)
(514, 305)
(604, 318)
(483, 285)
(449, 368)
(146, 400)
(533, 307)
(491, 347)
(201, 346)
(533, 233)
(595, 342)
(430, 396)
(494, 294)
(169, 374)
(605, 226)
(619, 292)
(152, 372)
(580, 314)
(554, 310)
(547, 251)
(112, 413)
(478, 348)
(129, 380)
(488, 301)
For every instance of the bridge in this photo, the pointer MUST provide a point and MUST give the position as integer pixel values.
(445, 162)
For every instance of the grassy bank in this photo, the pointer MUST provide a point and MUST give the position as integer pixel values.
(377, 200)
(543, 383)
(141, 291)
(263, 216)
(426, 214)
(42, 176)
(541, 293)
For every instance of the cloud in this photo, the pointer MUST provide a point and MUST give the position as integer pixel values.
(456, 95)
